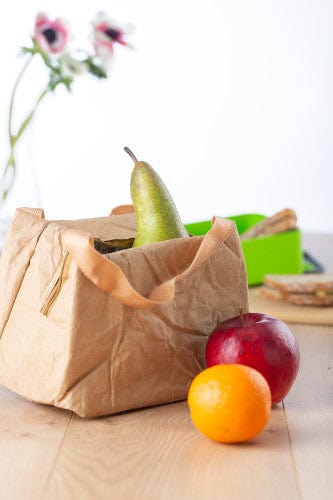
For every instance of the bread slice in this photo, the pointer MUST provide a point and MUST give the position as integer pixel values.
(282, 221)
(305, 289)
(300, 283)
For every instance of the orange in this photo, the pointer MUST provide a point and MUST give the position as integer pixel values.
(229, 403)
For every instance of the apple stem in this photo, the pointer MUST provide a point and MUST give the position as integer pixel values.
(132, 155)
(242, 316)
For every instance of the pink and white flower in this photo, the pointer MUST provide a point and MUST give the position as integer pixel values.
(106, 34)
(51, 36)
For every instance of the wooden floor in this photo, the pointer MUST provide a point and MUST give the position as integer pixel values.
(156, 453)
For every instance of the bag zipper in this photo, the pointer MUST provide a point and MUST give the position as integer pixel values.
(57, 286)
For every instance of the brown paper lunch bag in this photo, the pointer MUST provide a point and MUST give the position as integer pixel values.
(102, 333)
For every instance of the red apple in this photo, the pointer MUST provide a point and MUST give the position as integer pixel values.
(261, 342)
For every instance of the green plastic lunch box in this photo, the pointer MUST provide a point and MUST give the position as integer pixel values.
(279, 253)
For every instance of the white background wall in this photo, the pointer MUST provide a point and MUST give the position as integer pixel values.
(230, 100)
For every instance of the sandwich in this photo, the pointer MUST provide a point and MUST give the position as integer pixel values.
(285, 220)
(313, 289)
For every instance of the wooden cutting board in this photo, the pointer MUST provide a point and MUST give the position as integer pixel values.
(290, 312)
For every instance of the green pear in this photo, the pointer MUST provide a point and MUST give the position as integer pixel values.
(156, 213)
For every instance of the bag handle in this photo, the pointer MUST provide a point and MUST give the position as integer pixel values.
(107, 276)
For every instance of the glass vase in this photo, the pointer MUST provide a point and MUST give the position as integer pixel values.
(24, 191)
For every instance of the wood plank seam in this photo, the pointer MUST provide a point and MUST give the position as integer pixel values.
(50, 474)
(297, 480)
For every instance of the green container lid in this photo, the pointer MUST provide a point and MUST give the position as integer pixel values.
(274, 254)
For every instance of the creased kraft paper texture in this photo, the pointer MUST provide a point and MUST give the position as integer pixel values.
(68, 343)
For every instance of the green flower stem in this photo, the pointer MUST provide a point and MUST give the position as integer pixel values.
(29, 117)
(7, 178)
(12, 99)
(9, 172)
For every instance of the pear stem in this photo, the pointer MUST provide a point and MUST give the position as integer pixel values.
(131, 154)
(242, 316)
